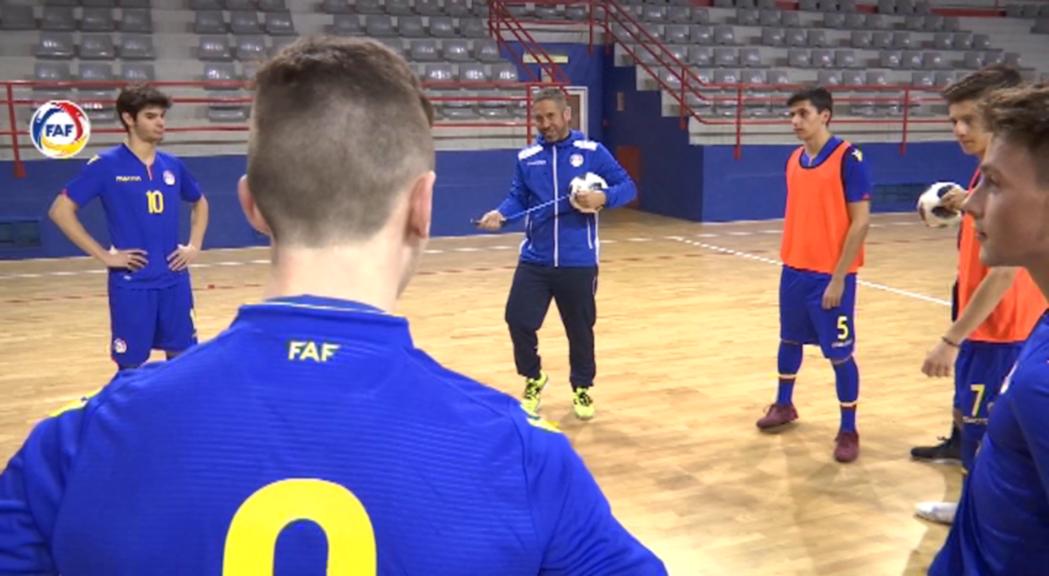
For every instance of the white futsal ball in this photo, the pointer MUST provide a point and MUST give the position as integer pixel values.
(589, 181)
(931, 210)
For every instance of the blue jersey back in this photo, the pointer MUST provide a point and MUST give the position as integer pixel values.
(142, 208)
(1002, 523)
(311, 431)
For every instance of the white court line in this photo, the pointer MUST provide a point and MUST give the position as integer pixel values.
(867, 283)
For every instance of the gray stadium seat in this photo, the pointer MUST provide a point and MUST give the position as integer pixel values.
(748, 17)
(1012, 59)
(423, 51)
(981, 42)
(52, 71)
(578, 12)
(410, 27)
(861, 39)
(933, 60)
(214, 48)
(834, 20)
(206, 5)
(234, 115)
(973, 60)
(57, 18)
(97, 20)
(769, 18)
(822, 58)
(886, 6)
(137, 47)
(922, 7)
(845, 59)
(881, 40)
(473, 28)
(799, 58)
(914, 23)
(678, 51)
(702, 56)
(790, 20)
(17, 17)
(487, 50)
(347, 25)
(240, 5)
(379, 25)
(808, 5)
(251, 48)
(244, 22)
(335, 6)
(923, 79)
(797, 37)
(702, 34)
(890, 59)
(828, 78)
(368, 7)
(136, 20)
(277, 43)
(902, 41)
(398, 7)
(944, 78)
(700, 15)
(724, 4)
(97, 47)
(442, 27)
(549, 12)
(962, 40)
(473, 72)
(726, 57)
(904, 6)
(772, 36)
(856, 20)
(679, 14)
(852, 78)
(220, 72)
(952, 24)
(394, 44)
(209, 22)
(877, 22)
(724, 35)
(653, 13)
(57, 45)
(994, 57)
(934, 23)
(943, 41)
(750, 57)
(677, 34)
(911, 59)
(1043, 10)
(272, 6)
(817, 38)
(505, 72)
(137, 72)
(279, 24)
(455, 50)
(429, 7)
(847, 6)
(98, 3)
(457, 8)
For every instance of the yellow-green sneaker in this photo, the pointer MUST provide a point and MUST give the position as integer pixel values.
(533, 390)
(583, 403)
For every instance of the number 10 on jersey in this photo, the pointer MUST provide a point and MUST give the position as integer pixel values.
(155, 201)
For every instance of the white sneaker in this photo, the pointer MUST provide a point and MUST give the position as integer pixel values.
(939, 512)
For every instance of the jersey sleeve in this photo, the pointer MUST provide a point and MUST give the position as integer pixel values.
(856, 176)
(1030, 403)
(573, 519)
(31, 489)
(88, 184)
(190, 188)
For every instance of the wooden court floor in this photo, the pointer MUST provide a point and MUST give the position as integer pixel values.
(686, 350)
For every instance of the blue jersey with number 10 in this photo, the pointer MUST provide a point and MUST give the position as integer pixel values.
(311, 433)
(142, 208)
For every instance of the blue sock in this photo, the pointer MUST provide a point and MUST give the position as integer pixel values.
(789, 363)
(847, 378)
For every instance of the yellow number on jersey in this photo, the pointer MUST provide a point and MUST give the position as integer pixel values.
(155, 199)
(843, 327)
(252, 537)
(979, 390)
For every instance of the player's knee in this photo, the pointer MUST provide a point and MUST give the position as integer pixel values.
(839, 361)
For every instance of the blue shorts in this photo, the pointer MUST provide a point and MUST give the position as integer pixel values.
(803, 320)
(978, 375)
(153, 318)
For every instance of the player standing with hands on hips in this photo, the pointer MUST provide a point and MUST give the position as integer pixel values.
(559, 257)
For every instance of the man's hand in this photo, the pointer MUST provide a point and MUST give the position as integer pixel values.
(133, 259)
(832, 295)
(954, 199)
(491, 221)
(588, 200)
(182, 256)
(940, 360)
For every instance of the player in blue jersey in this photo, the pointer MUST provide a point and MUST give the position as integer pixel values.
(562, 247)
(312, 435)
(1002, 523)
(150, 299)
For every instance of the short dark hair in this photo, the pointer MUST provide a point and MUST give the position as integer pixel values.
(818, 96)
(979, 84)
(339, 126)
(1021, 117)
(555, 94)
(136, 97)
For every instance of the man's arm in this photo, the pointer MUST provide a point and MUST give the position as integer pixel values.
(63, 213)
(940, 360)
(858, 187)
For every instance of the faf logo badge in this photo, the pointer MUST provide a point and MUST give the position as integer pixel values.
(60, 129)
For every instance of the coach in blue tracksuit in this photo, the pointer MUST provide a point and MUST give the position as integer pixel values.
(560, 252)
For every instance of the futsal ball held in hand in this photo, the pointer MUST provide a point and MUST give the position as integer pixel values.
(589, 182)
(931, 209)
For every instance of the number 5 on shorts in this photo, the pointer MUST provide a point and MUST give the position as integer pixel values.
(843, 327)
